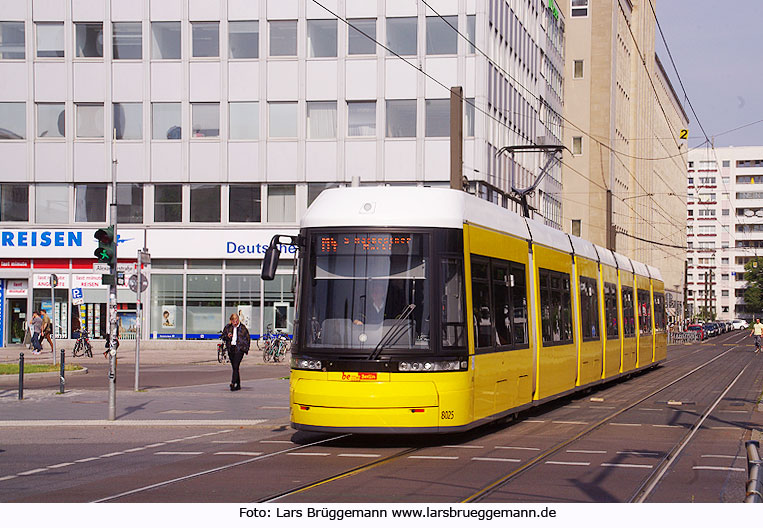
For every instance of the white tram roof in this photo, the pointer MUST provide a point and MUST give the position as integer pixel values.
(654, 272)
(606, 256)
(640, 269)
(584, 248)
(548, 236)
(623, 262)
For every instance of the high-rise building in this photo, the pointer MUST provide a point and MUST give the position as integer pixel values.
(226, 118)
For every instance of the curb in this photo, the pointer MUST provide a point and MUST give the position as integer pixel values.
(54, 374)
(128, 423)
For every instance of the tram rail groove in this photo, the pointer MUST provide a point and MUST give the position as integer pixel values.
(535, 461)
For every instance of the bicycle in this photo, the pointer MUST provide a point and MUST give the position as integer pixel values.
(82, 346)
(275, 346)
(222, 352)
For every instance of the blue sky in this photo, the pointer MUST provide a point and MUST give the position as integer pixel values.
(717, 47)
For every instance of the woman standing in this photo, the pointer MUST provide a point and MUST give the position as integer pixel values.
(236, 338)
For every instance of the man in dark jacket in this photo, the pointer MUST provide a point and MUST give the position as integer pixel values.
(236, 338)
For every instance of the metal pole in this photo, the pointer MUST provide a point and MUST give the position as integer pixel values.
(137, 319)
(754, 492)
(456, 137)
(52, 315)
(21, 375)
(112, 309)
(62, 382)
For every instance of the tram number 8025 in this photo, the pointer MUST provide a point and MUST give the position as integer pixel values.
(447, 415)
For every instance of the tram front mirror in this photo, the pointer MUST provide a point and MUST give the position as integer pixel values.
(270, 263)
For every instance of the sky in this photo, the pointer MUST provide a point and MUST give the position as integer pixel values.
(717, 47)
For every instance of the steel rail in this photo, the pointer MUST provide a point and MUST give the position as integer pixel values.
(496, 485)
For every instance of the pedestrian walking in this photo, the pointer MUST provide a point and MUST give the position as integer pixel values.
(36, 331)
(47, 329)
(757, 331)
(236, 338)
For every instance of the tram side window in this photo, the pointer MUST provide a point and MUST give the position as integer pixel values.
(610, 302)
(589, 308)
(629, 322)
(519, 304)
(502, 304)
(453, 321)
(556, 314)
(644, 312)
(659, 312)
(483, 319)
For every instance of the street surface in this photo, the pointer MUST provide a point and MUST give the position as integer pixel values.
(187, 438)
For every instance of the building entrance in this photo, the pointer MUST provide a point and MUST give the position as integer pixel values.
(17, 319)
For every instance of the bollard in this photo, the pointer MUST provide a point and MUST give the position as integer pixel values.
(754, 491)
(21, 375)
(62, 383)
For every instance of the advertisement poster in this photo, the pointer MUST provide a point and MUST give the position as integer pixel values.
(127, 325)
(169, 311)
(245, 314)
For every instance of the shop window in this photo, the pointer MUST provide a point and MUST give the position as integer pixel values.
(283, 38)
(402, 35)
(130, 203)
(244, 39)
(165, 121)
(168, 203)
(52, 203)
(321, 38)
(167, 306)
(245, 203)
(361, 118)
(14, 202)
(205, 120)
(127, 38)
(12, 41)
(437, 118)
(205, 38)
(165, 40)
(12, 121)
(244, 120)
(282, 206)
(128, 120)
(321, 120)
(205, 203)
(442, 36)
(90, 202)
(203, 307)
(279, 304)
(59, 314)
(88, 39)
(242, 296)
(50, 39)
(89, 120)
(401, 118)
(51, 120)
(358, 43)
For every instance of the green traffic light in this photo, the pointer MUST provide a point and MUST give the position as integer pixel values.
(107, 248)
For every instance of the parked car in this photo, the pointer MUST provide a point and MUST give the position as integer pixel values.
(739, 324)
(710, 329)
(697, 328)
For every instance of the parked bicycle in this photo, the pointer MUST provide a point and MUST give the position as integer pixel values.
(222, 352)
(274, 345)
(82, 346)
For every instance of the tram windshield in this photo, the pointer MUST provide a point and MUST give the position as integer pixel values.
(368, 291)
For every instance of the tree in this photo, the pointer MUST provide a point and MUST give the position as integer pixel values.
(753, 294)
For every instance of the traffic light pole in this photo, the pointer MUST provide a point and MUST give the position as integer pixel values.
(112, 310)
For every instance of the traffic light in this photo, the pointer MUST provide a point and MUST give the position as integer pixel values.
(107, 246)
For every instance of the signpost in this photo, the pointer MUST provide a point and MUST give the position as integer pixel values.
(138, 283)
(53, 284)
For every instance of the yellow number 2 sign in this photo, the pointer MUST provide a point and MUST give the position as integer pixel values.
(684, 134)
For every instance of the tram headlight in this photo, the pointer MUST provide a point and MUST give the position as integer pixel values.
(306, 364)
(432, 366)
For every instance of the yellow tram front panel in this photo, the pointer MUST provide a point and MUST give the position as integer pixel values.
(630, 341)
(646, 338)
(380, 400)
(590, 355)
(660, 334)
(502, 379)
(556, 369)
(612, 345)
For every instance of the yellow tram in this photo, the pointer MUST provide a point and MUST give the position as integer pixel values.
(432, 311)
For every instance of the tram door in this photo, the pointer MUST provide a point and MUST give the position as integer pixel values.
(18, 318)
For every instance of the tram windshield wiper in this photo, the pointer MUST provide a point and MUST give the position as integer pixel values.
(394, 331)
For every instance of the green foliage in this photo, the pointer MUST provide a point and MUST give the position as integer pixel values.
(753, 295)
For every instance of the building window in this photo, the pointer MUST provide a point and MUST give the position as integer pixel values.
(51, 203)
(556, 314)
(165, 121)
(402, 35)
(726, 163)
(205, 120)
(361, 118)
(127, 39)
(244, 39)
(576, 227)
(203, 306)
(205, 203)
(244, 121)
(12, 121)
(471, 32)
(89, 120)
(437, 118)
(51, 120)
(205, 39)
(14, 202)
(589, 308)
(88, 39)
(315, 189)
(245, 203)
(321, 120)
(577, 145)
(442, 35)
(282, 204)
(321, 38)
(357, 42)
(50, 39)
(168, 203)
(469, 117)
(579, 8)
(130, 203)
(282, 120)
(12, 41)
(165, 40)
(577, 69)
(401, 118)
(128, 120)
(283, 38)
(90, 202)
